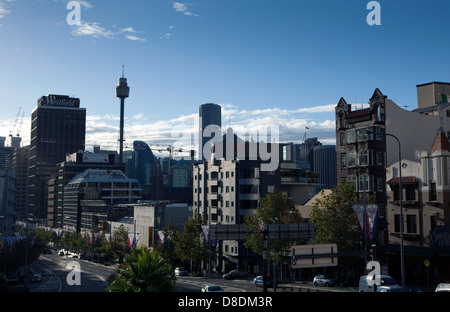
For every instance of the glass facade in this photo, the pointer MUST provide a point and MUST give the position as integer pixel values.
(58, 128)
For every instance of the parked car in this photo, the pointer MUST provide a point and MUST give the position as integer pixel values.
(180, 271)
(390, 288)
(411, 289)
(442, 287)
(233, 274)
(36, 278)
(259, 282)
(323, 280)
(385, 280)
(212, 288)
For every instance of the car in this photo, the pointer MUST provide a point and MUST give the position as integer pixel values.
(233, 274)
(390, 288)
(259, 281)
(385, 280)
(61, 253)
(180, 271)
(212, 288)
(442, 287)
(411, 289)
(36, 278)
(323, 280)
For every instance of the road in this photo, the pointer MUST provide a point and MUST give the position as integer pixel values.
(67, 274)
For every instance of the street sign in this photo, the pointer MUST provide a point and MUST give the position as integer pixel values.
(313, 256)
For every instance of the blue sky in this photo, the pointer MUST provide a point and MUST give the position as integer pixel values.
(284, 62)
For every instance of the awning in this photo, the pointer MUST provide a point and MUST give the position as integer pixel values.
(405, 180)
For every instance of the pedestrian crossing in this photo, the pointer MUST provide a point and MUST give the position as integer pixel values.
(200, 283)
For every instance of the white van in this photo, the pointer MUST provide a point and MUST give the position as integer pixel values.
(442, 287)
(385, 280)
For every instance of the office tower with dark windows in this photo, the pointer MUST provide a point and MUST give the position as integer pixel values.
(210, 123)
(58, 128)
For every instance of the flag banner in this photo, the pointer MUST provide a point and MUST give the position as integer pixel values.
(161, 236)
(367, 221)
(372, 217)
(205, 229)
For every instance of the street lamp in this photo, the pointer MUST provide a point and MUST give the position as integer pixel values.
(402, 254)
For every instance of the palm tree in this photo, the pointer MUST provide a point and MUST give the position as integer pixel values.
(143, 271)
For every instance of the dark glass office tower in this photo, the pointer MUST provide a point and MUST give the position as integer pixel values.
(58, 128)
(210, 115)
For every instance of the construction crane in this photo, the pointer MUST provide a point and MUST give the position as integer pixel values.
(11, 132)
(20, 125)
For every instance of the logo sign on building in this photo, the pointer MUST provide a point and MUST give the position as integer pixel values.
(59, 100)
(96, 158)
(440, 237)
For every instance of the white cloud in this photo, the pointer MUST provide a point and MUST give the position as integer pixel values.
(182, 131)
(91, 29)
(182, 8)
(96, 31)
(86, 4)
(4, 9)
(135, 38)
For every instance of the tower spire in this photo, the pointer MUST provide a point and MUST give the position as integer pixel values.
(122, 92)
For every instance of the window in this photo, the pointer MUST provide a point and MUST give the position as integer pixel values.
(365, 183)
(365, 134)
(270, 188)
(342, 138)
(351, 136)
(380, 185)
(397, 223)
(364, 158)
(343, 161)
(395, 191)
(351, 159)
(411, 192)
(380, 157)
(352, 180)
(411, 224)
(433, 195)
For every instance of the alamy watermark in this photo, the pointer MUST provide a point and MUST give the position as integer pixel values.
(74, 276)
(74, 16)
(374, 276)
(261, 143)
(374, 16)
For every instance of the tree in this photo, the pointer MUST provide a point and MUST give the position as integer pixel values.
(334, 219)
(166, 248)
(143, 271)
(119, 245)
(191, 244)
(274, 208)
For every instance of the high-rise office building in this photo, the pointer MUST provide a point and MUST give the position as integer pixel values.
(22, 164)
(58, 128)
(324, 161)
(210, 124)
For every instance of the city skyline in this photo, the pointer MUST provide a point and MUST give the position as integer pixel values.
(265, 63)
